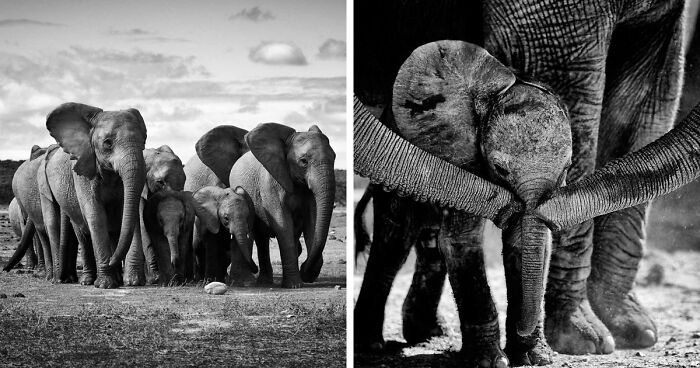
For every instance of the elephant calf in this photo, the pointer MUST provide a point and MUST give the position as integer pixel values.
(232, 209)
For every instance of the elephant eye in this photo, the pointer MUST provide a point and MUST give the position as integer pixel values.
(500, 170)
(107, 143)
(304, 161)
(226, 219)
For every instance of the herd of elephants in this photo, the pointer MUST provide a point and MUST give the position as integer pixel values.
(134, 212)
(554, 120)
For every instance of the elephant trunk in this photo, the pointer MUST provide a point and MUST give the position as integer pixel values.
(131, 169)
(25, 242)
(534, 240)
(322, 184)
(174, 250)
(390, 160)
(245, 244)
(658, 168)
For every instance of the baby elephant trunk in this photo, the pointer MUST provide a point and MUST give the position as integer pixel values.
(174, 251)
(534, 239)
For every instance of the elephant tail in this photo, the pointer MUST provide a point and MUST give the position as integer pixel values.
(24, 243)
(362, 240)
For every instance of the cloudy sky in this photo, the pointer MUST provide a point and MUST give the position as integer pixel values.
(186, 65)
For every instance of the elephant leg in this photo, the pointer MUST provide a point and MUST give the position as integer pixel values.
(521, 350)
(36, 244)
(198, 251)
(571, 327)
(419, 312)
(89, 274)
(393, 239)
(215, 262)
(46, 248)
(107, 277)
(31, 258)
(135, 262)
(68, 251)
(240, 272)
(52, 223)
(283, 227)
(646, 75)
(262, 242)
(461, 244)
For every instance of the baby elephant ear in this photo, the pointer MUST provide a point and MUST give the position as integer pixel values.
(442, 93)
(268, 143)
(36, 152)
(206, 206)
(166, 148)
(70, 125)
(220, 148)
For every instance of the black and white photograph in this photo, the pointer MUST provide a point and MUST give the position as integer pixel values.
(173, 183)
(524, 190)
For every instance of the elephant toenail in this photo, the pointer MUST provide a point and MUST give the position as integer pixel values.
(647, 338)
(590, 347)
(501, 362)
(608, 345)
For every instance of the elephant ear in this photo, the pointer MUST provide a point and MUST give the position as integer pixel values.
(442, 93)
(36, 152)
(268, 143)
(141, 124)
(220, 148)
(206, 206)
(70, 124)
(165, 148)
(314, 128)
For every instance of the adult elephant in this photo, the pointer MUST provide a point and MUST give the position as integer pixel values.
(289, 177)
(597, 56)
(97, 180)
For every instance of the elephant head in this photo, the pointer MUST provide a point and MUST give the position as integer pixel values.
(169, 215)
(103, 141)
(164, 170)
(233, 209)
(458, 103)
(300, 161)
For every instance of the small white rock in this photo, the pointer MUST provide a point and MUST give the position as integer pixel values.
(216, 288)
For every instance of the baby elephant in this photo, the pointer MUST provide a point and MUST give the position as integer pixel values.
(232, 208)
(169, 220)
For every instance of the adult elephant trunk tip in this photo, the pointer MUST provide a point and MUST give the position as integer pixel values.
(324, 194)
(133, 173)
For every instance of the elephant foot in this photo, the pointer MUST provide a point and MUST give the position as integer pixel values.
(134, 279)
(528, 350)
(87, 278)
(106, 282)
(41, 274)
(419, 327)
(481, 346)
(577, 331)
(68, 279)
(292, 282)
(264, 280)
(367, 338)
(627, 320)
(243, 280)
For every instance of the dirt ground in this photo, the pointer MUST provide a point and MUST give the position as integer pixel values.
(668, 285)
(73, 325)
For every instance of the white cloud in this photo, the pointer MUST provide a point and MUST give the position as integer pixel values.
(277, 53)
(332, 49)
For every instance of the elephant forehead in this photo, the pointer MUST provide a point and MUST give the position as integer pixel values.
(120, 123)
(171, 205)
(311, 143)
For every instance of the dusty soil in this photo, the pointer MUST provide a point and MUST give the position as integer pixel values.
(668, 285)
(73, 325)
